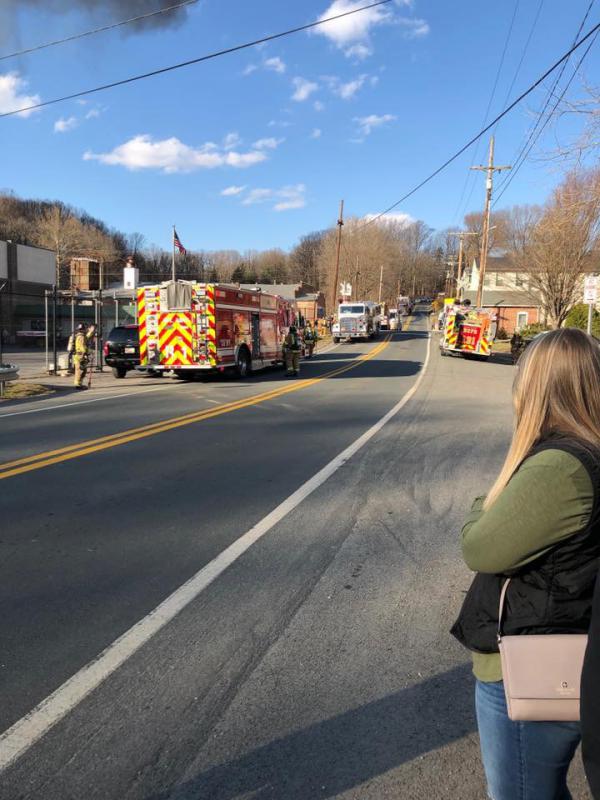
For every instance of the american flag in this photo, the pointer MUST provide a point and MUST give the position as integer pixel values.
(177, 243)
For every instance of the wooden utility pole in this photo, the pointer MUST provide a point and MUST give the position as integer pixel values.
(334, 291)
(461, 252)
(380, 283)
(489, 186)
(356, 274)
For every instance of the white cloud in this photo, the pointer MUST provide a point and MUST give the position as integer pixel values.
(318, 105)
(354, 28)
(172, 155)
(93, 113)
(369, 123)
(233, 191)
(391, 219)
(284, 199)
(255, 196)
(279, 123)
(231, 141)
(269, 143)
(63, 125)
(359, 51)
(292, 197)
(11, 95)
(275, 64)
(349, 89)
(352, 33)
(316, 133)
(415, 28)
(304, 89)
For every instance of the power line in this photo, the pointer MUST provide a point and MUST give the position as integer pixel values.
(487, 111)
(531, 136)
(477, 136)
(198, 60)
(507, 183)
(97, 30)
(525, 49)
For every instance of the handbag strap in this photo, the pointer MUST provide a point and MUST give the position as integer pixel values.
(501, 606)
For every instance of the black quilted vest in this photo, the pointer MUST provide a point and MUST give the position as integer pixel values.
(552, 594)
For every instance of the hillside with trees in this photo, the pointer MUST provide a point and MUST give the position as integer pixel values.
(414, 260)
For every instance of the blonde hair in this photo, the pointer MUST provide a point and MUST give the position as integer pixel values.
(556, 390)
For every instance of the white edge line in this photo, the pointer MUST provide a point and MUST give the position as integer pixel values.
(84, 402)
(29, 729)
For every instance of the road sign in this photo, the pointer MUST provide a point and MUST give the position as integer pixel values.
(590, 289)
(346, 289)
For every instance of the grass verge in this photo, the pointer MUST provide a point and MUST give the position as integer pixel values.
(15, 390)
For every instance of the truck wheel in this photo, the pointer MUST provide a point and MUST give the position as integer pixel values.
(243, 365)
(119, 372)
(336, 339)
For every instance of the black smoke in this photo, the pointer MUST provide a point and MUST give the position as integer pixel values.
(101, 12)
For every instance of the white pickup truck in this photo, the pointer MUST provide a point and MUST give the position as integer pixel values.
(355, 321)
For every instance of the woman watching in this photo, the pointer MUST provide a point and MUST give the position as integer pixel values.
(540, 526)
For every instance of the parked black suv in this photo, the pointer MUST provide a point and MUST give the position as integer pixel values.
(122, 349)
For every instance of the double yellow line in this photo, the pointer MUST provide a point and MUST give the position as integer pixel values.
(29, 463)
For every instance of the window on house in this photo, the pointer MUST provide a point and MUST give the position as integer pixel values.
(522, 318)
(519, 280)
(499, 279)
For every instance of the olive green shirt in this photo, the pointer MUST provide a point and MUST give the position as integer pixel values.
(547, 500)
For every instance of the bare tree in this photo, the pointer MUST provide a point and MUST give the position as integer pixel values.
(304, 259)
(574, 150)
(554, 245)
(59, 230)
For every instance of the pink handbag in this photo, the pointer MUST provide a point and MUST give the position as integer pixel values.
(541, 673)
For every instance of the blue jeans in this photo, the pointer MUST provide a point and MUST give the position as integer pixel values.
(522, 760)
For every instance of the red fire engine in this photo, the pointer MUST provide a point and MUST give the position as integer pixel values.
(190, 327)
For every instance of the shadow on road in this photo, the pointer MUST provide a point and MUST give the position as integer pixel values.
(334, 755)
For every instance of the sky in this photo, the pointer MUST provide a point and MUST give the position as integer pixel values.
(254, 149)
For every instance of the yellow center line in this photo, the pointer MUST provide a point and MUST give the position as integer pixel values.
(29, 463)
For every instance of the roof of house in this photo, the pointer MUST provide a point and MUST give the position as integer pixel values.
(289, 291)
(502, 299)
(505, 263)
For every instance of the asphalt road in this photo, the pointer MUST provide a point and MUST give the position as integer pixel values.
(318, 664)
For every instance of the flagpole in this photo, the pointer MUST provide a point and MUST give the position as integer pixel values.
(173, 267)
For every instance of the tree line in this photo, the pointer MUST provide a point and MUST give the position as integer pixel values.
(404, 257)
(553, 244)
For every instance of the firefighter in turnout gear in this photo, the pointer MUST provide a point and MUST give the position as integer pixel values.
(310, 339)
(78, 348)
(291, 349)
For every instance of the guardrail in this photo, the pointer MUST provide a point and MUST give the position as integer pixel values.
(8, 372)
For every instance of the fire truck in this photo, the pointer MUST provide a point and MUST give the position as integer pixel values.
(467, 330)
(191, 328)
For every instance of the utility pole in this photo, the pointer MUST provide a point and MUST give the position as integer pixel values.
(489, 186)
(380, 283)
(334, 291)
(461, 252)
(356, 274)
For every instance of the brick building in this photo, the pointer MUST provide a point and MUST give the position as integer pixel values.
(311, 303)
